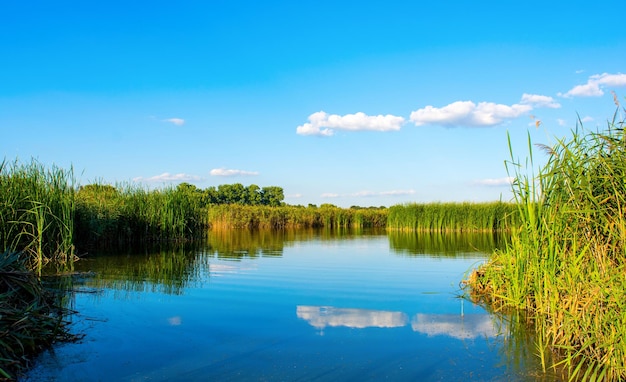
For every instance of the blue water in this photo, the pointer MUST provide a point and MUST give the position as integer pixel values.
(349, 309)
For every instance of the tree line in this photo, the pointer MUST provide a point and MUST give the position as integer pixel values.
(236, 193)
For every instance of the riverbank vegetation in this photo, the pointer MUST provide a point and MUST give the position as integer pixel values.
(31, 316)
(267, 217)
(457, 217)
(565, 265)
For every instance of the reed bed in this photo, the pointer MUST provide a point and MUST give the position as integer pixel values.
(566, 264)
(31, 317)
(459, 217)
(266, 217)
(127, 215)
(37, 212)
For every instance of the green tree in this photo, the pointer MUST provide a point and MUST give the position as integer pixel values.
(272, 196)
(254, 195)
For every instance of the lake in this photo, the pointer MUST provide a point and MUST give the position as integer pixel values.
(289, 306)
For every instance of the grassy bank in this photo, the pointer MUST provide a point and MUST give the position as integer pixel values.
(37, 212)
(127, 215)
(265, 217)
(459, 217)
(566, 263)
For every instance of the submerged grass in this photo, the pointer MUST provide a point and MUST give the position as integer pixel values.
(566, 264)
(31, 318)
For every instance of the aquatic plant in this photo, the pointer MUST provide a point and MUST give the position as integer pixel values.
(37, 212)
(266, 217)
(126, 215)
(462, 217)
(31, 318)
(565, 264)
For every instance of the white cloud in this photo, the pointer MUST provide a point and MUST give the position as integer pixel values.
(587, 119)
(561, 122)
(324, 124)
(175, 121)
(329, 195)
(495, 182)
(537, 100)
(167, 177)
(467, 113)
(229, 172)
(595, 85)
(293, 196)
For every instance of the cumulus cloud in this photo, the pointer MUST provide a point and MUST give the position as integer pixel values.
(175, 121)
(467, 113)
(495, 182)
(537, 100)
(595, 85)
(167, 177)
(587, 119)
(324, 124)
(230, 172)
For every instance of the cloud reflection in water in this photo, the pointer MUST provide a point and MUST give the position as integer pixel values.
(457, 326)
(322, 316)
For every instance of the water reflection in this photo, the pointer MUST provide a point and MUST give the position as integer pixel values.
(462, 327)
(225, 309)
(452, 244)
(323, 316)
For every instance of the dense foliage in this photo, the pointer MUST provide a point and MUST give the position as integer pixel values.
(236, 193)
(326, 215)
(566, 263)
(460, 217)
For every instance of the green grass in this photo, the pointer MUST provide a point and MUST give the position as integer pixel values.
(37, 212)
(127, 215)
(566, 263)
(460, 217)
(265, 217)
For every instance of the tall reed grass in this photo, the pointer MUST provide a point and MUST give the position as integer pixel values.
(127, 215)
(461, 217)
(265, 217)
(566, 263)
(37, 211)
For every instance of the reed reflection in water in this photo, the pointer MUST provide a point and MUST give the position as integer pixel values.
(367, 307)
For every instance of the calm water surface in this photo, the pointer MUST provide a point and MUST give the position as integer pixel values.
(289, 306)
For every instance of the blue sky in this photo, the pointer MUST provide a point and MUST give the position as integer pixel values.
(351, 103)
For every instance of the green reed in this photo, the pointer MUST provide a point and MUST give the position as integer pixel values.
(452, 244)
(463, 217)
(566, 263)
(108, 216)
(266, 217)
(31, 318)
(37, 211)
